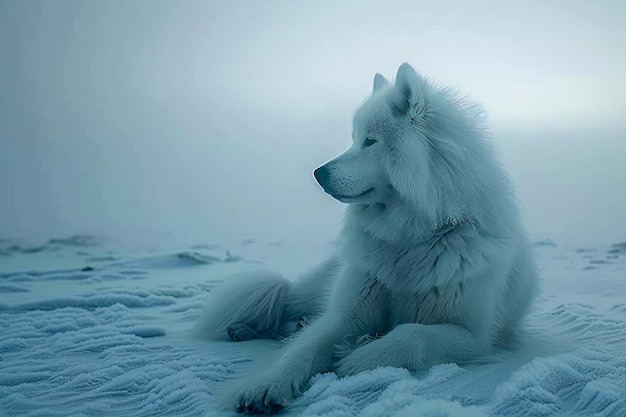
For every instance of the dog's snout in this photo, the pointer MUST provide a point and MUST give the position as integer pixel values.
(321, 174)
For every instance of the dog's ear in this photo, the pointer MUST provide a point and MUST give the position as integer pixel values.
(410, 97)
(379, 82)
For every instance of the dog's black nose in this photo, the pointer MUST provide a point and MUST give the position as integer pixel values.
(321, 175)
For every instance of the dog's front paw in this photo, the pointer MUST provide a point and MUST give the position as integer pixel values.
(267, 398)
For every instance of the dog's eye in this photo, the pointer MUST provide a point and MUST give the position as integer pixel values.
(368, 142)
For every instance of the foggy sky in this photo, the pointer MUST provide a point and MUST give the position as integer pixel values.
(206, 119)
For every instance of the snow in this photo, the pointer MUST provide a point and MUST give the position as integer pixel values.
(90, 328)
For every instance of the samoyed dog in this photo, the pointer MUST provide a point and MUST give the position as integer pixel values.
(433, 264)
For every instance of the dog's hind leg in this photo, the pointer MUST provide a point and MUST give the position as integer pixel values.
(246, 306)
(308, 295)
(265, 305)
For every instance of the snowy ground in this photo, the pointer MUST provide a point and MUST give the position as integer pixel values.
(90, 330)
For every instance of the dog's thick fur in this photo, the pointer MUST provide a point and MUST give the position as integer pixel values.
(434, 264)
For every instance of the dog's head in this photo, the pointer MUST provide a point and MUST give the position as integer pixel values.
(365, 172)
(413, 143)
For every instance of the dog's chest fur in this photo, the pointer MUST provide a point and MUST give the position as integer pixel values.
(424, 283)
(435, 306)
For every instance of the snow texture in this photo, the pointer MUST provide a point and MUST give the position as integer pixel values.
(89, 331)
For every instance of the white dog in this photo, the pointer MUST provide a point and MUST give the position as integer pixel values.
(434, 264)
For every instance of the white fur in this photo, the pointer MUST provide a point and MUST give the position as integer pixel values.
(434, 264)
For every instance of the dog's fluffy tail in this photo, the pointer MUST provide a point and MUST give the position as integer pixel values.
(245, 306)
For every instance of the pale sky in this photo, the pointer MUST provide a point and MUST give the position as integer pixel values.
(131, 117)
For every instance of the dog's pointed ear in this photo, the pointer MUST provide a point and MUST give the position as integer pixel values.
(411, 91)
(379, 82)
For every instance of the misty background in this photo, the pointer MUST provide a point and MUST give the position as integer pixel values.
(202, 121)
